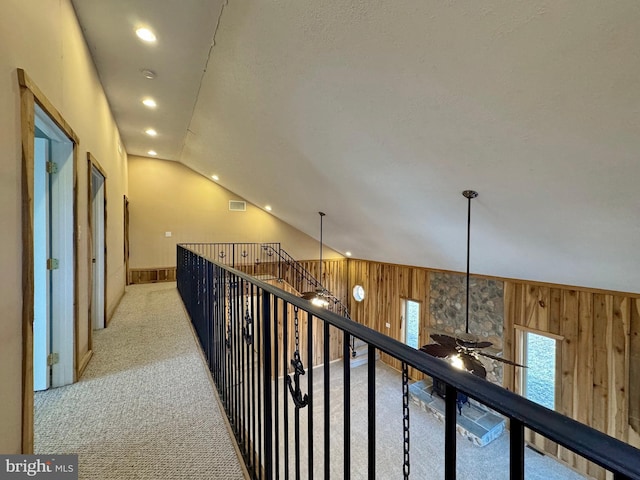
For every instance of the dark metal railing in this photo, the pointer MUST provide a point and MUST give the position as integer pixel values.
(302, 280)
(257, 259)
(259, 342)
(266, 260)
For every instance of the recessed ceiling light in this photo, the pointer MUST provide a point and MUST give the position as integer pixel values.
(348, 254)
(215, 177)
(150, 74)
(151, 132)
(153, 153)
(149, 102)
(268, 208)
(146, 35)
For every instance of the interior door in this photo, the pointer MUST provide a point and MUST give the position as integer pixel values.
(126, 238)
(53, 252)
(42, 277)
(98, 264)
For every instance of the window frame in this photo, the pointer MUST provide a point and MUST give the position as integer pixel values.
(403, 320)
(520, 373)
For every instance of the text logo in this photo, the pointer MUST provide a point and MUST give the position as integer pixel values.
(52, 467)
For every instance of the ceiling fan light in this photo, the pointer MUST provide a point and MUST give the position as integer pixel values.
(457, 362)
(319, 301)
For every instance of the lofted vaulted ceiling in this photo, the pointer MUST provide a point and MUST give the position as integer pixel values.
(381, 113)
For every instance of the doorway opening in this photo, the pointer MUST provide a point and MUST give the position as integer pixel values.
(97, 244)
(49, 260)
(53, 255)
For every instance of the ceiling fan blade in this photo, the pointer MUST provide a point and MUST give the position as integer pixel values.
(309, 295)
(466, 344)
(445, 340)
(435, 350)
(473, 365)
(500, 359)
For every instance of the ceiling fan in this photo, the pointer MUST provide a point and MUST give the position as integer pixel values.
(320, 296)
(464, 350)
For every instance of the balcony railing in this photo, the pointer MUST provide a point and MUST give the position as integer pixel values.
(260, 343)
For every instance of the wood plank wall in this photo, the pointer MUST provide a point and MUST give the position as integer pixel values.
(385, 286)
(594, 357)
(598, 354)
(152, 275)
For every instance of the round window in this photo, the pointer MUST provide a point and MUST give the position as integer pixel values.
(358, 293)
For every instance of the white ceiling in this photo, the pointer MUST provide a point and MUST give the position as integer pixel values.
(381, 113)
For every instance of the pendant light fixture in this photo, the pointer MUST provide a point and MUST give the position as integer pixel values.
(319, 296)
(464, 350)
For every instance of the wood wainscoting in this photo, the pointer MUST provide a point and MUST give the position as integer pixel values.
(151, 275)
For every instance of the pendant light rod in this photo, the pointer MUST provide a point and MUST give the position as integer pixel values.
(321, 215)
(468, 194)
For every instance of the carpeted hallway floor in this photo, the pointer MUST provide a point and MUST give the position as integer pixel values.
(145, 409)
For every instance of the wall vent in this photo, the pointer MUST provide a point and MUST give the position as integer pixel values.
(237, 205)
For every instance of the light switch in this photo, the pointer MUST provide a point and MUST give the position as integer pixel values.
(388, 325)
(167, 234)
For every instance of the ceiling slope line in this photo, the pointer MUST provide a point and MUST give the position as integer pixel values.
(204, 71)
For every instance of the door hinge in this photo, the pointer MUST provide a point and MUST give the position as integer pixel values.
(53, 264)
(52, 359)
(52, 167)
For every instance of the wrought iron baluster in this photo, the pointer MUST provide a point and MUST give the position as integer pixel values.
(406, 465)
(299, 400)
(247, 330)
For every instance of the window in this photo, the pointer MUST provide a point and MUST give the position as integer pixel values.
(411, 322)
(539, 379)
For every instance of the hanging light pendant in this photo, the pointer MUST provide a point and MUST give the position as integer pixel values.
(319, 296)
(320, 299)
(464, 350)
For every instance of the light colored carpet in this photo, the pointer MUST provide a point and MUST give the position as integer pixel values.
(426, 436)
(145, 408)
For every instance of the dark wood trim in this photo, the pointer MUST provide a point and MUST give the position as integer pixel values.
(126, 240)
(28, 133)
(84, 362)
(30, 95)
(152, 275)
(92, 162)
(41, 99)
(115, 308)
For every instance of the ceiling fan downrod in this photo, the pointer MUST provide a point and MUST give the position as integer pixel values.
(322, 214)
(468, 194)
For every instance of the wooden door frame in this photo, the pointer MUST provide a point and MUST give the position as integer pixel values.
(126, 240)
(93, 163)
(30, 95)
